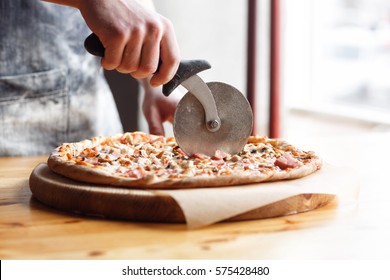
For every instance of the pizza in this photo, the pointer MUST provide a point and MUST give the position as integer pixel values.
(145, 161)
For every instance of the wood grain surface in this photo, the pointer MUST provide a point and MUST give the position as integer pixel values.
(354, 230)
(142, 205)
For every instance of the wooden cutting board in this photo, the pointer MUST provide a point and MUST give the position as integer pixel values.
(142, 205)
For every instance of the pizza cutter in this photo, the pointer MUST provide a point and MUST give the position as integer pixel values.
(210, 116)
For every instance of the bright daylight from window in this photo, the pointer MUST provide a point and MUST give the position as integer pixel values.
(337, 57)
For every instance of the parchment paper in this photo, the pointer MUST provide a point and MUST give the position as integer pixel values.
(206, 206)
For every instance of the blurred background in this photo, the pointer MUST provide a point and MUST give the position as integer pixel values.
(334, 61)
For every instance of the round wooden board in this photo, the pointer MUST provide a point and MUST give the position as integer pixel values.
(142, 205)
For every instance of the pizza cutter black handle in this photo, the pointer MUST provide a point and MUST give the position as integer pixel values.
(94, 46)
(187, 68)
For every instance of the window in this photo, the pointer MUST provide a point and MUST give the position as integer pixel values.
(337, 57)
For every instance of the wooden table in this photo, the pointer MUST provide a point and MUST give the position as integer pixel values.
(30, 230)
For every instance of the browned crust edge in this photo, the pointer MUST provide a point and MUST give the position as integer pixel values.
(87, 174)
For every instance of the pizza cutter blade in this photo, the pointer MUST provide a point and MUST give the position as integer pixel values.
(211, 116)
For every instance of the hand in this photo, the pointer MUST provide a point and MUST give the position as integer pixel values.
(158, 108)
(135, 38)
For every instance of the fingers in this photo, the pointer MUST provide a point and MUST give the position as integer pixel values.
(169, 56)
(114, 47)
(156, 127)
(145, 51)
(135, 38)
(150, 53)
(153, 118)
(131, 55)
(157, 108)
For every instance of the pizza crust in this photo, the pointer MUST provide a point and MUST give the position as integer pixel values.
(62, 162)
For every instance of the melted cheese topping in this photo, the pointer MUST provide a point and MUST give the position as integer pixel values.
(131, 157)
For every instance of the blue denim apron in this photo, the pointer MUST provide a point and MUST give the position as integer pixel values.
(51, 90)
